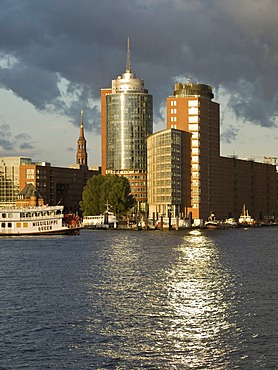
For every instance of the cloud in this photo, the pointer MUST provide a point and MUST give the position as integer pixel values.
(71, 149)
(229, 134)
(12, 145)
(232, 44)
(6, 141)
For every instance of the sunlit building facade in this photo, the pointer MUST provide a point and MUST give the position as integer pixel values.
(57, 184)
(127, 121)
(191, 109)
(168, 173)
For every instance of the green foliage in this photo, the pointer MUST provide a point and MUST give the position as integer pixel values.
(111, 189)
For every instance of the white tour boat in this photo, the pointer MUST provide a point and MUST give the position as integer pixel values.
(37, 220)
(104, 221)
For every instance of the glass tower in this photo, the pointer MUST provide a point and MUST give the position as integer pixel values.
(128, 123)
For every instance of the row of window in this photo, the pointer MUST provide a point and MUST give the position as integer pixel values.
(191, 103)
(31, 214)
(6, 215)
(6, 224)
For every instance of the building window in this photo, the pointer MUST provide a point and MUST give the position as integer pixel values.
(30, 173)
(195, 183)
(195, 158)
(195, 143)
(193, 111)
(193, 127)
(193, 119)
(193, 103)
(195, 166)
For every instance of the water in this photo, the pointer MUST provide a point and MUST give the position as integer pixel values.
(140, 300)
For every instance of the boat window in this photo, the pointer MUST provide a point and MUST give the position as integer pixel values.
(4, 215)
(3, 224)
(9, 224)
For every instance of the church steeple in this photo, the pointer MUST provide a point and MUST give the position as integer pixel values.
(81, 155)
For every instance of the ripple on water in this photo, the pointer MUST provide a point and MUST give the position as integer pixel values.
(130, 300)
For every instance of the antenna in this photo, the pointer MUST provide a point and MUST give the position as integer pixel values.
(128, 66)
(81, 117)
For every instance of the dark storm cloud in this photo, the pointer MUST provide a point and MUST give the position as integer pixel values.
(227, 44)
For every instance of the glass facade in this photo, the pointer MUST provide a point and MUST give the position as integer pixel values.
(10, 178)
(165, 172)
(129, 123)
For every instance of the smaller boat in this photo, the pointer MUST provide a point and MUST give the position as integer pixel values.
(269, 221)
(229, 223)
(176, 223)
(212, 222)
(103, 221)
(245, 220)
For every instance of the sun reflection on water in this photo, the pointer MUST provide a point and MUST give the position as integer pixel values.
(196, 292)
(162, 306)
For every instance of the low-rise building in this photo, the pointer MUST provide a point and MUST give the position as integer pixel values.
(55, 184)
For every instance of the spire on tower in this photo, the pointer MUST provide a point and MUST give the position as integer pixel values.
(81, 155)
(128, 65)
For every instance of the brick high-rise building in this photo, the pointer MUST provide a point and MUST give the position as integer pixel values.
(191, 109)
(127, 121)
(219, 185)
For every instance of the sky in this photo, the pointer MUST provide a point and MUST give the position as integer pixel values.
(56, 55)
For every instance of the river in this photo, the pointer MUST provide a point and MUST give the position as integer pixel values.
(195, 299)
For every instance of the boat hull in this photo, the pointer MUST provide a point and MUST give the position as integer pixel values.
(212, 225)
(73, 231)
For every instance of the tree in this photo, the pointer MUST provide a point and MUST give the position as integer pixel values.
(101, 190)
